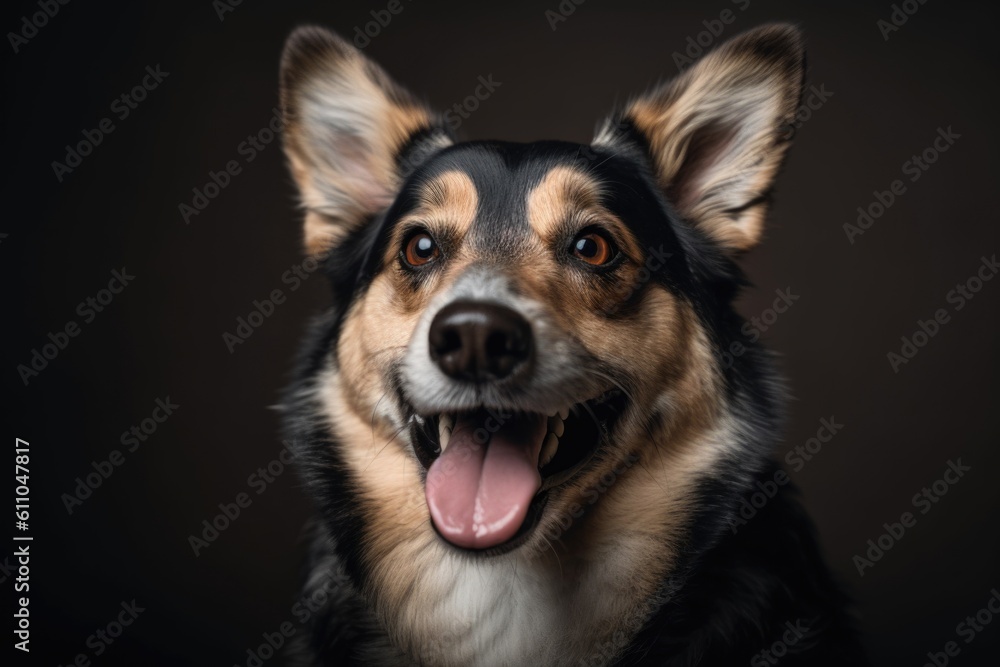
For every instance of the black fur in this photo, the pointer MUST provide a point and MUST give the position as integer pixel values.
(733, 592)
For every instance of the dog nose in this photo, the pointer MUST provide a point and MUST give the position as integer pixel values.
(480, 342)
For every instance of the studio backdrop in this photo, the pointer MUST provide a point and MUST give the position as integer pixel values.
(156, 294)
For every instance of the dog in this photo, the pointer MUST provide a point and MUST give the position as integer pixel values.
(528, 419)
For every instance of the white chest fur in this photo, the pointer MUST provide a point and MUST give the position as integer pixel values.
(503, 611)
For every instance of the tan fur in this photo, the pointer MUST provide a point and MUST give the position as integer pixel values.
(345, 121)
(569, 200)
(379, 327)
(615, 548)
(450, 195)
(563, 194)
(719, 133)
(446, 208)
(590, 572)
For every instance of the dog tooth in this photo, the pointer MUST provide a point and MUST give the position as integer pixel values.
(557, 426)
(564, 413)
(445, 426)
(549, 448)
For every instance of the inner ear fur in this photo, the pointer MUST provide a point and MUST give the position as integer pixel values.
(349, 133)
(718, 133)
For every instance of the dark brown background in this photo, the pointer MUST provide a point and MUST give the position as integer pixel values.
(162, 336)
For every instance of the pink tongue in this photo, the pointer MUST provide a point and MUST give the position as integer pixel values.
(478, 492)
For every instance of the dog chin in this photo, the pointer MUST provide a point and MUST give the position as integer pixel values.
(490, 471)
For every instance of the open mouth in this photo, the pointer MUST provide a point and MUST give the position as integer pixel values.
(489, 471)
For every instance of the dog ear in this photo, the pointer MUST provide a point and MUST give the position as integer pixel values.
(350, 133)
(717, 134)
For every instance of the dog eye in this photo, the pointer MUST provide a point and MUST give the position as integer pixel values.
(420, 249)
(594, 248)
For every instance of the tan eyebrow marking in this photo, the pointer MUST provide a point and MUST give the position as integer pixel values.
(451, 196)
(447, 203)
(562, 191)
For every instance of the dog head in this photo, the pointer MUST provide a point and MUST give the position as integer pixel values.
(518, 321)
